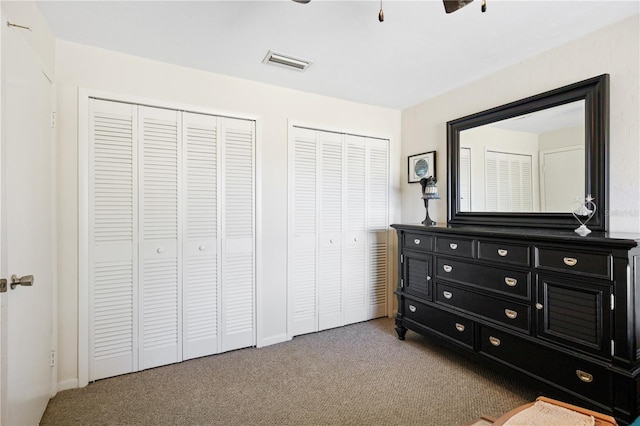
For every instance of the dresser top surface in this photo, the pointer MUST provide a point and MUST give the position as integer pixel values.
(619, 239)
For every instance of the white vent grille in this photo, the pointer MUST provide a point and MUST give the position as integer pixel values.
(286, 61)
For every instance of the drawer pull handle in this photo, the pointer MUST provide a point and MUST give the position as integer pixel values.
(584, 376)
(453, 246)
(511, 282)
(412, 308)
(416, 241)
(570, 261)
(459, 327)
(494, 341)
(447, 268)
(539, 306)
(503, 252)
(510, 314)
(428, 278)
(447, 294)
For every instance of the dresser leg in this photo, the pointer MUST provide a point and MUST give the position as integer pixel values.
(401, 331)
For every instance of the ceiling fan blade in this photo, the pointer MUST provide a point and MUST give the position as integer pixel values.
(453, 5)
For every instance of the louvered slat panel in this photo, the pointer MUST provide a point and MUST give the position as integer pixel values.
(112, 236)
(304, 193)
(356, 184)
(238, 279)
(465, 179)
(303, 255)
(201, 176)
(160, 276)
(200, 266)
(378, 180)
(160, 179)
(355, 283)
(239, 167)
(113, 310)
(378, 276)
(574, 314)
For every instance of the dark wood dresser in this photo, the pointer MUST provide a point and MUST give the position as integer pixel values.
(549, 304)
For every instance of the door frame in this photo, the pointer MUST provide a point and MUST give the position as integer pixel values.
(84, 94)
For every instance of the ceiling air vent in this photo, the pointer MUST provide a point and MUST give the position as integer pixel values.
(286, 61)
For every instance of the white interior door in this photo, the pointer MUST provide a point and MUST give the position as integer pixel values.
(561, 165)
(27, 232)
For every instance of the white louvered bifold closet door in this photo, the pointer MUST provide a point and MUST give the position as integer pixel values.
(330, 236)
(238, 233)
(338, 229)
(303, 216)
(113, 238)
(355, 284)
(378, 226)
(201, 265)
(160, 231)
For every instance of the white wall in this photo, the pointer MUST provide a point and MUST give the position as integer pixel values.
(614, 50)
(80, 66)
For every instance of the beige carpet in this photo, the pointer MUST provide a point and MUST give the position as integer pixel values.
(355, 375)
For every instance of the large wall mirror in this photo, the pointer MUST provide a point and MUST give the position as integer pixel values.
(527, 162)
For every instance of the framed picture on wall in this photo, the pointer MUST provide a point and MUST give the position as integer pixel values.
(422, 166)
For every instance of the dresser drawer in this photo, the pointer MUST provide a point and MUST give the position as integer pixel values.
(450, 325)
(418, 241)
(503, 253)
(558, 369)
(454, 246)
(511, 314)
(513, 283)
(578, 262)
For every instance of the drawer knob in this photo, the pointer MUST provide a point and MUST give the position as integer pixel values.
(331, 241)
(539, 306)
(447, 294)
(494, 341)
(428, 278)
(412, 308)
(510, 314)
(459, 327)
(202, 248)
(511, 282)
(447, 268)
(570, 261)
(502, 252)
(160, 250)
(584, 376)
(453, 246)
(416, 241)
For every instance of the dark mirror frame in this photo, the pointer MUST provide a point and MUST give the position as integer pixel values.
(595, 93)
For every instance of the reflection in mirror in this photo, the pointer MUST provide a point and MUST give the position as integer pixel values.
(529, 163)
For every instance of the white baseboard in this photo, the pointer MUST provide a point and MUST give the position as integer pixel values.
(68, 384)
(272, 340)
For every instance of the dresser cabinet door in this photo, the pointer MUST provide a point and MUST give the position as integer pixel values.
(417, 274)
(576, 313)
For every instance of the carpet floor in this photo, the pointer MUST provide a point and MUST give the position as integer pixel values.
(360, 374)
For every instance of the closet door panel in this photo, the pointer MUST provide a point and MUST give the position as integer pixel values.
(355, 283)
(303, 217)
(200, 267)
(330, 236)
(112, 239)
(238, 234)
(378, 224)
(160, 231)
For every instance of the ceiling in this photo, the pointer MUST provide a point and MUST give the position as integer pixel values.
(417, 53)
